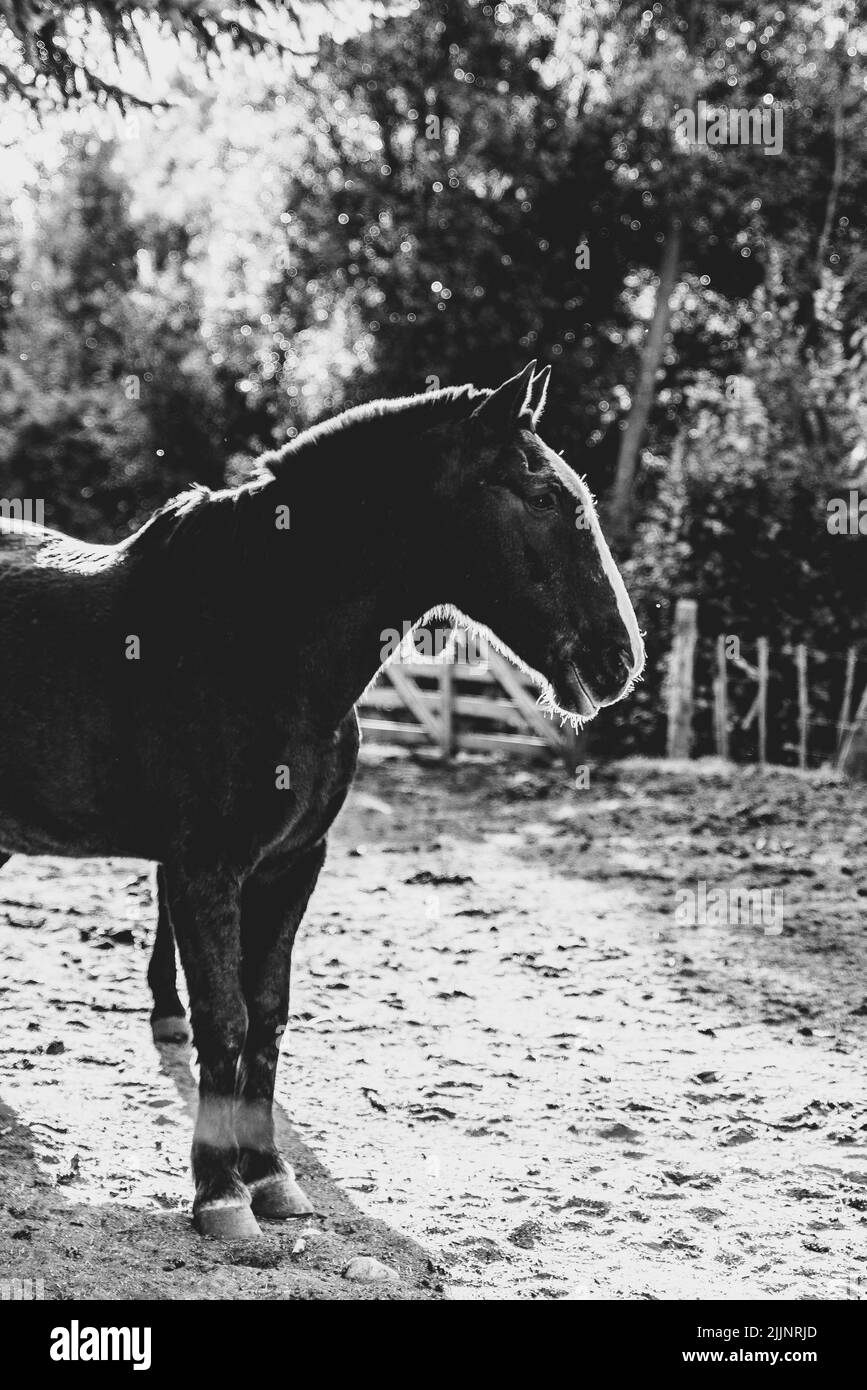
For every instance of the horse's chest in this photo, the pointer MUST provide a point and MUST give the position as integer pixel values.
(311, 781)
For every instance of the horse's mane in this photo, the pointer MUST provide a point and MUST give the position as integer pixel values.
(375, 425)
(379, 422)
(371, 426)
(183, 513)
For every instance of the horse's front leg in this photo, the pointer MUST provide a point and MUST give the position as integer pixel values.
(271, 911)
(168, 1020)
(206, 913)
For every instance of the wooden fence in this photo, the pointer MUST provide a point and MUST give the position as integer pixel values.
(480, 702)
(850, 728)
(454, 701)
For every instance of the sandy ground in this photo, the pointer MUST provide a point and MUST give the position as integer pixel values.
(512, 1072)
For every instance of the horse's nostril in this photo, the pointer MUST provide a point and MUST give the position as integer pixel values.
(619, 661)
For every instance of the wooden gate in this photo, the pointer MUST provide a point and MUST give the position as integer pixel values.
(456, 702)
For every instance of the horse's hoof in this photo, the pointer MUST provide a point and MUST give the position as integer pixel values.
(279, 1197)
(227, 1220)
(171, 1030)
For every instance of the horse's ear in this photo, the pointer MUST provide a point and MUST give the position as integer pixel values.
(499, 413)
(539, 394)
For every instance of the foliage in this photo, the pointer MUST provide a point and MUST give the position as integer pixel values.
(412, 215)
(108, 405)
(49, 45)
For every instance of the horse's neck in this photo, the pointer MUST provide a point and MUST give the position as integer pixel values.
(339, 662)
(355, 590)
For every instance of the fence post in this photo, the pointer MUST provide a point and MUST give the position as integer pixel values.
(763, 699)
(681, 676)
(574, 748)
(803, 703)
(846, 706)
(853, 753)
(721, 700)
(447, 705)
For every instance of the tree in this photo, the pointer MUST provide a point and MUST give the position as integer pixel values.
(9, 258)
(49, 46)
(453, 176)
(620, 502)
(738, 55)
(108, 401)
(431, 228)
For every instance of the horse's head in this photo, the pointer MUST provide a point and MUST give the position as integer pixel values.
(533, 564)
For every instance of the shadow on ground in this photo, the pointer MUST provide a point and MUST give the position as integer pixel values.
(82, 1251)
(97, 1108)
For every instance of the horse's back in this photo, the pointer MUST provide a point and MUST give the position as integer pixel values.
(20, 541)
(57, 601)
(54, 592)
(25, 544)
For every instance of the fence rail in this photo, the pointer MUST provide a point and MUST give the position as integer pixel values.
(456, 704)
(451, 702)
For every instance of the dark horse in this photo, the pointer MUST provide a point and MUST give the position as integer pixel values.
(187, 697)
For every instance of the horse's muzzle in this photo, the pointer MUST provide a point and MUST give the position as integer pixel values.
(579, 692)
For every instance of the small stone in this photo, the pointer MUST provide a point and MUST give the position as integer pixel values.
(54, 1048)
(365, 1267)
(526, 1235)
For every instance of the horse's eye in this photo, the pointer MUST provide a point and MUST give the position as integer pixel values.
(543, 501)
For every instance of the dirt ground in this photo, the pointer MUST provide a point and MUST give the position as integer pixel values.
(512, 1073)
